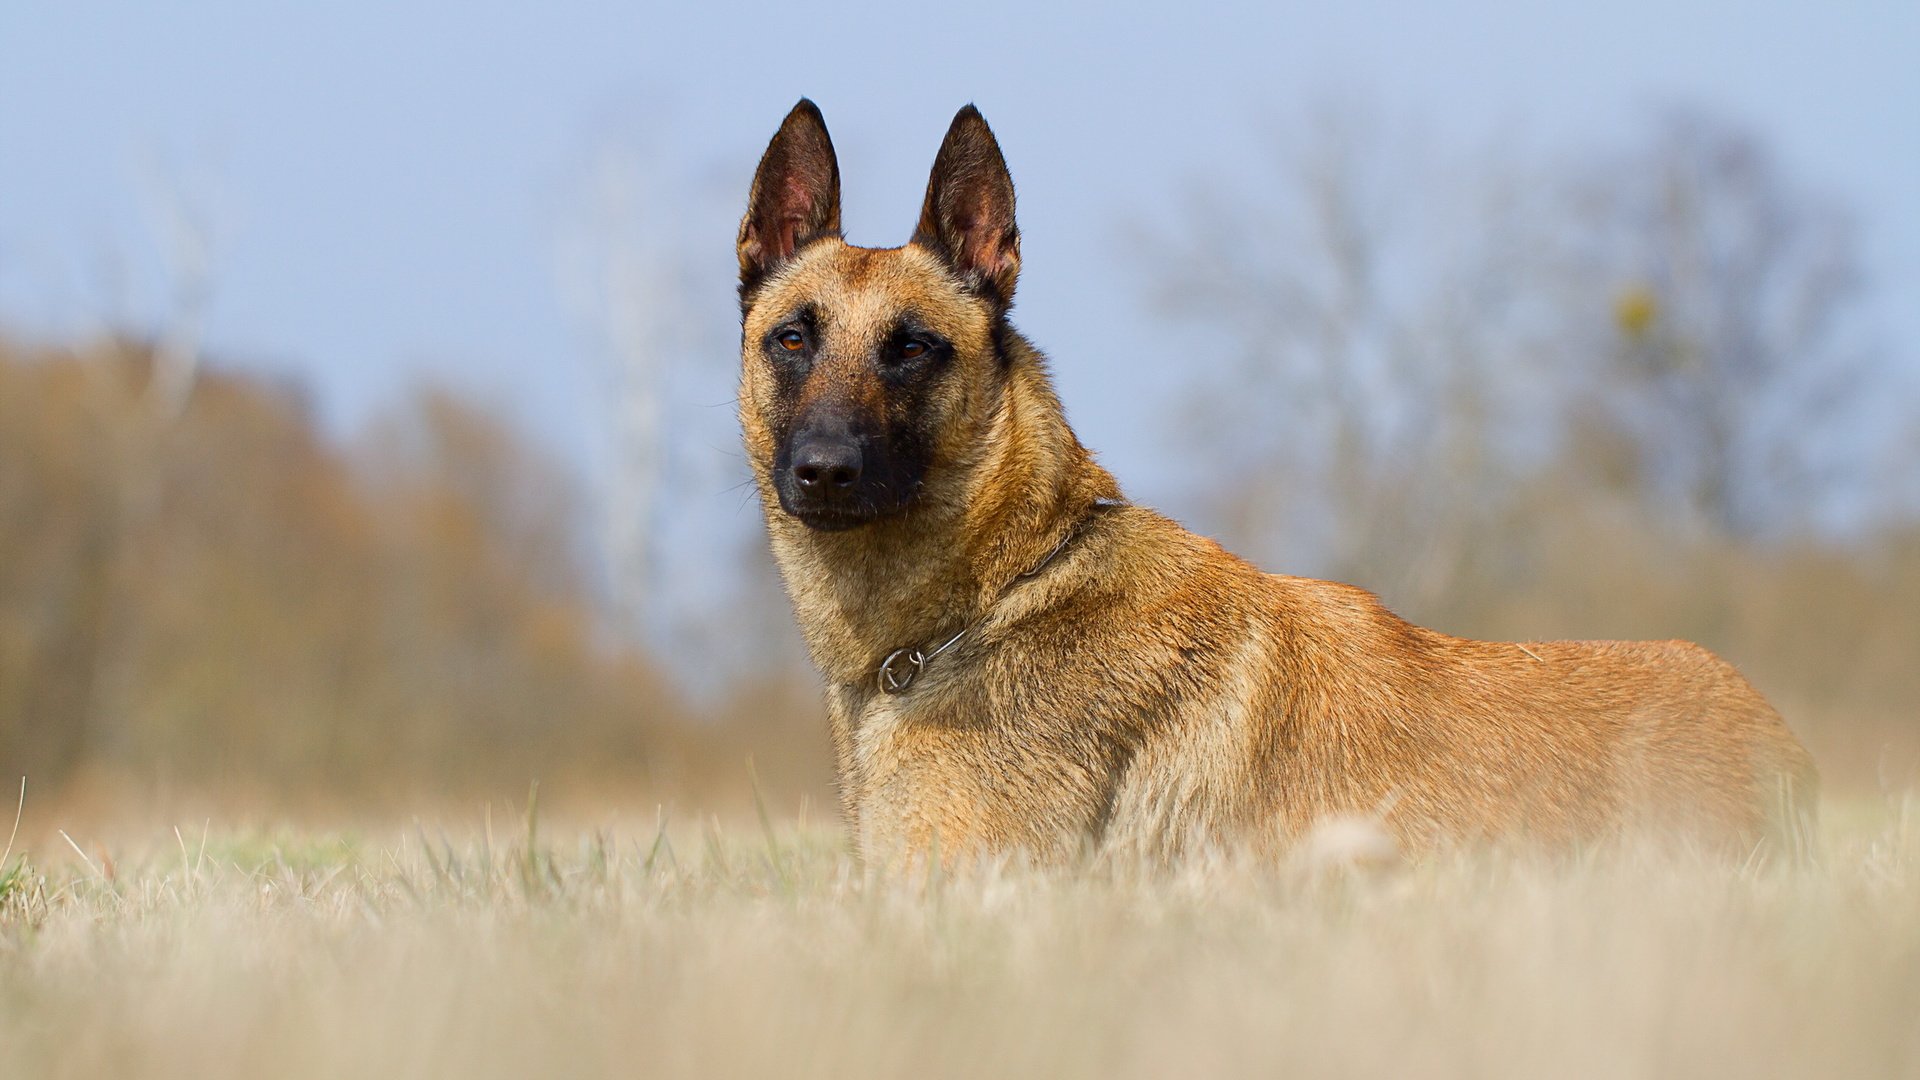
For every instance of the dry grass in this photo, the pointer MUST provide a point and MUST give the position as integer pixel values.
(762, 953)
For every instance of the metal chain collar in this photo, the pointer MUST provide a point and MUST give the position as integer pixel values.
(902, 666)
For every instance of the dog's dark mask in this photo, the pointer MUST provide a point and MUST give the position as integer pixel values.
(850, 417)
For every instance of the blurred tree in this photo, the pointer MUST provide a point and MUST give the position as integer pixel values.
(58, 506)
(1714, 301)
(140, 393)
(1385, 393)
(619, 274)
(1420, 339)
(279, 614)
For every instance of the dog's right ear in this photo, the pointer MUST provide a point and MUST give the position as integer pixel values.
(796, 195)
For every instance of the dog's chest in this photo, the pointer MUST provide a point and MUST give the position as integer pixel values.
(875, 728)
(940, 769)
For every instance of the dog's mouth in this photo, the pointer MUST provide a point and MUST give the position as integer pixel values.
(831, 519)
(838, 514)
(823, 493)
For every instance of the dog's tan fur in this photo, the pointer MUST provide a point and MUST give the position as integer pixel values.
(1147, 690)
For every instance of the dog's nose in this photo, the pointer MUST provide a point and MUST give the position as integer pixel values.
(826, 466)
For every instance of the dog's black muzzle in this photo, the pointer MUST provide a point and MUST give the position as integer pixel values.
(820, 483)
(834, 473)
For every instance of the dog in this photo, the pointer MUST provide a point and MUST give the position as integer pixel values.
(1019, 660)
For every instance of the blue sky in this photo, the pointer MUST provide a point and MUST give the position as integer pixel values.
(392, 181)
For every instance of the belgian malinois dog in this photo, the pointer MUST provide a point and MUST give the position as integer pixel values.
(1019, 660)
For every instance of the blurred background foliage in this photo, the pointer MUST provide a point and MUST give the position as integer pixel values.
(220, 598)
(1629, 394)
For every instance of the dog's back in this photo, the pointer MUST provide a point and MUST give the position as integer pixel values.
(1266, 703)
(1562, 741)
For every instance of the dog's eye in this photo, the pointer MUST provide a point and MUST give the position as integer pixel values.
(791, 340)
(913, 350)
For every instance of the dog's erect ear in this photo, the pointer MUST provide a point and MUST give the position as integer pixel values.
(968, 215)
(796, 195)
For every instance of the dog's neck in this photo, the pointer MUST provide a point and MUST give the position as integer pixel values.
(916, 579)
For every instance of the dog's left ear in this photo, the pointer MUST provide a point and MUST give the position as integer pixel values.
(968, 215)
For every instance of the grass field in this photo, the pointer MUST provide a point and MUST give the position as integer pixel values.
(629, 951)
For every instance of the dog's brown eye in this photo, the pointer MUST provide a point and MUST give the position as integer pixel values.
(792, 340)
(913, 350)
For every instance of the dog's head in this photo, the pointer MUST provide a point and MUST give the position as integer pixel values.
(866, 371)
